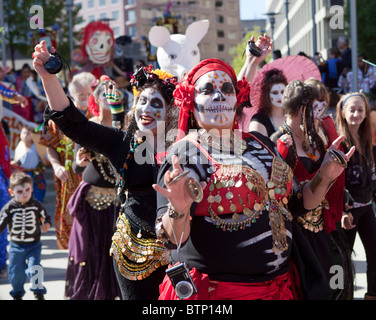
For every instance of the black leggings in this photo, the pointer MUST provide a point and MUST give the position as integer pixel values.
(365, 225)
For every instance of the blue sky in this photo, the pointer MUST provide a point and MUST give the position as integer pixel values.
(252, 9)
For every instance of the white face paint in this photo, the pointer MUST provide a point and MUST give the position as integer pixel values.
(22, 193)
(276, 94)
(318, 108)
(215, 99)
(150, 111)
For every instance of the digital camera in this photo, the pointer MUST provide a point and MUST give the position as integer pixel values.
(182, 281)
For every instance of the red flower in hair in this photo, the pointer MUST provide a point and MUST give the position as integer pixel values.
(184, 95)
(244, 91)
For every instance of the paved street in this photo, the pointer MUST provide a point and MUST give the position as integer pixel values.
(54, 262)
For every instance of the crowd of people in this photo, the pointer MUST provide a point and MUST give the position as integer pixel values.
(177, 200)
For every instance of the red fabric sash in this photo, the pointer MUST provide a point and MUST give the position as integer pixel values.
(277, 289)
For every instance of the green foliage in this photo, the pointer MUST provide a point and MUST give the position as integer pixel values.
(17, 16)
(68, 152)
(366, 25)
(238, 60)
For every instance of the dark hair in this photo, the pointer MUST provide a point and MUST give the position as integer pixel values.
(271, 77)
(19, 178)
(299, 95)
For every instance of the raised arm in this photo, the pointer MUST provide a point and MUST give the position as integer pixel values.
(55, 94)
(251, 62)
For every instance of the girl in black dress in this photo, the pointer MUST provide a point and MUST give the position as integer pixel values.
(353, 121)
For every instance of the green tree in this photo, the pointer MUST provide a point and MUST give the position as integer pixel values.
(238, 58)
(366, 25)
(17, 20)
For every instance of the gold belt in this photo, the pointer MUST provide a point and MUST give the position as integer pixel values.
(136, 257)
(100, 198)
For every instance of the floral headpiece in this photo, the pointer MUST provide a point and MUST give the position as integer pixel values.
(184, 92)
(144, 75)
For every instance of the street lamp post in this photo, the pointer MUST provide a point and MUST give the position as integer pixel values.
(287, 27)
(314, 35)
(272, 21)
(354, 44)
(69, 4)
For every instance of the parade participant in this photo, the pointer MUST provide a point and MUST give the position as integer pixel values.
(271, 114)
(353, 121)
(236, 241)
(26, 156)
(60, 150)
(90, 273)
(302, 141)
(80, 90)
(4, 197)
(139, 261)
(26, 219)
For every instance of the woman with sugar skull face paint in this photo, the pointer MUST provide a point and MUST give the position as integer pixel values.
(270, 115)
(225, 200)
(139, 261)
(302, 142)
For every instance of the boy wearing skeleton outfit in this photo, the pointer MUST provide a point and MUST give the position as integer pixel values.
(26, 219)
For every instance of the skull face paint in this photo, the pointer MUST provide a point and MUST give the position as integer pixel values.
(99, 47)
(150, 110)
(22, 193)
(276, 94)
(318, 108)
(215, 100)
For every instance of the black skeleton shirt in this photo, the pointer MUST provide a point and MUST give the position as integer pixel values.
(24, 221)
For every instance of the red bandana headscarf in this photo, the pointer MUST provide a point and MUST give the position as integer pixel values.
(184, 93)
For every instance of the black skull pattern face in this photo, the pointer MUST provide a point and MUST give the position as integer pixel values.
(215, 100)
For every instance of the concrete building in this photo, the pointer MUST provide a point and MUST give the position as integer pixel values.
(307, 28)
(136, 17)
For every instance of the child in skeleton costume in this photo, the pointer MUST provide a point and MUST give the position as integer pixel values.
(302, 141)
(139, 261)
(26, 219)
(235, 235)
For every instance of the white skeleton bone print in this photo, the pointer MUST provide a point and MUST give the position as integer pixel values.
(24, 224)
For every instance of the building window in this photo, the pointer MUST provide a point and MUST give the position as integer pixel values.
(90, 3)
(115, 15)
(114, 1)
(130, 1)
(221, 47)
(218, 4)
(131, 14)
(116, 31)
(219, 19)
(220, 34)
(132, 31)
(102, 16)
(91, 18)
(102, 3)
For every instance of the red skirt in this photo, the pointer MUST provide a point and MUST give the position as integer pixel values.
(279, 288)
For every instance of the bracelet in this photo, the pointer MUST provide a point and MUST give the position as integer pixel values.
(316, 181)
(172, 213)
